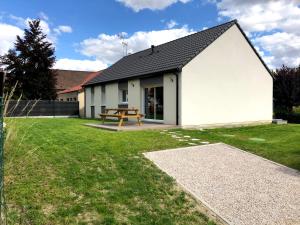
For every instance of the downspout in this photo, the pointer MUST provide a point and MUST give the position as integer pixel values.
(84, 102)
(177, 96)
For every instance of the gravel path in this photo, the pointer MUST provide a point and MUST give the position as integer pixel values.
(240, 187)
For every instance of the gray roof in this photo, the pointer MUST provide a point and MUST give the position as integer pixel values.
(169, 56)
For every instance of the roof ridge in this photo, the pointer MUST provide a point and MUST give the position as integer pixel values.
(85, 71)
(197, 32)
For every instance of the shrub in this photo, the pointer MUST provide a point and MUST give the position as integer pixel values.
(290, 117)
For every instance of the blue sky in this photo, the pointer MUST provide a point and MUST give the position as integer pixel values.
(85, 33)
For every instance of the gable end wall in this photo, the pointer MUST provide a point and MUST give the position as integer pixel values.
(226, 84)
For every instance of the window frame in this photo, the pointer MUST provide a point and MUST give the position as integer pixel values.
(122, 92)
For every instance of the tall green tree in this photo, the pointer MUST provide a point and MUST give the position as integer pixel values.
(29, 65)
(286, 88)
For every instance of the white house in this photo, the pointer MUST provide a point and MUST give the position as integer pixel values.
(209, 78)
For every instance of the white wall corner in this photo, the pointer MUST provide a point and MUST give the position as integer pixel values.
(169, 85)
(134, 94)
(87, 102)
(97, 100)
(112, 95)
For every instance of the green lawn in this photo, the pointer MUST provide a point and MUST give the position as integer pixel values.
(279, 143)
(60, 172)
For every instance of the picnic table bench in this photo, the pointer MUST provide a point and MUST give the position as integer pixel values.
(121, 114)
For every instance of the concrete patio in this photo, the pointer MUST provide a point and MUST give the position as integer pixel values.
(130, 126)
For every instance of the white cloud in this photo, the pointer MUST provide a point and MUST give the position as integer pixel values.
(24, 23)
(82, 65)
(44, 25)
(285, 48)
(43, 16)
(171, 24)
(8, 32)
(63, 29)
(281, 18)
(138, 5)
(19, 21)
(256, 15)
(108, 48)
(8, 36)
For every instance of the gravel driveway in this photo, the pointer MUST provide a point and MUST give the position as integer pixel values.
(239, 187)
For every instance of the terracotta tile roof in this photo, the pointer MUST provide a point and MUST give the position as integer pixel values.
(79, 86)
(69, 78)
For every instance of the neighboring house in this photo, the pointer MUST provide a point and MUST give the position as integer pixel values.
(76, 93)
(66, 79)
(209, 78)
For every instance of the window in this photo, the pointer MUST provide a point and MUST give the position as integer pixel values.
(68, 99)
(61, 100)
(124, 96)
(103, 95)
(123, 92)
(92, 95)
(74, 99)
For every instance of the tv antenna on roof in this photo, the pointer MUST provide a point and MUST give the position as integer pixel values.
(124, 43)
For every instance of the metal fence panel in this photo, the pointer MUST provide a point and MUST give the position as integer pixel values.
(41, 108)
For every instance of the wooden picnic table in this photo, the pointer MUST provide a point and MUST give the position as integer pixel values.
(121, 114)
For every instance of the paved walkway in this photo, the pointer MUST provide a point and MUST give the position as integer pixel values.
(240, 187)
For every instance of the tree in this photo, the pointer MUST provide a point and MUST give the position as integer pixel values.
(29, 65)
(286, 88)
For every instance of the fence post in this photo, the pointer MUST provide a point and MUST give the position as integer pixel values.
(54, 107)
(2, 199)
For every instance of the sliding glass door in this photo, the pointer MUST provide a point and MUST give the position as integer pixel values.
(154, 103)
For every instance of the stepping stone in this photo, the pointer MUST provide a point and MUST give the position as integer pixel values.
(228, 135)
(190, 143)
(204, 142)
(173, 136)
(195, 139)
(257, 139)
(165, 130)
(186, 136)
(182, 140)
(171, 132)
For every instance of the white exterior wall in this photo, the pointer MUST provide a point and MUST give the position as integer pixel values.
(112, 95)
(134, 94)
(81, 103)
(226, 84)
(65, 96)
(88, 102)
(97, 101)
(169, 84)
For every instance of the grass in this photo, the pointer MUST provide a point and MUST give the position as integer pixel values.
(60, 172)
(297, 109)
(279, 143)
(82, 175)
